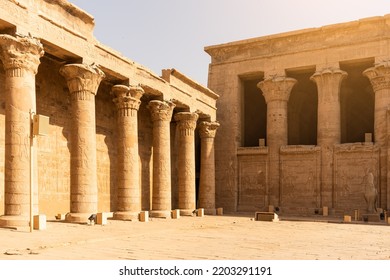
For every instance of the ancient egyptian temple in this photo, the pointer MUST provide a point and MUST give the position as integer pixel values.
(120, 138)
(305, 119)
(302, 125)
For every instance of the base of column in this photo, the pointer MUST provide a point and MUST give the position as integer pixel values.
(166, 214)
(14, 221)
(77, 217)
(210, 211)
(187, 212)
(126, 216)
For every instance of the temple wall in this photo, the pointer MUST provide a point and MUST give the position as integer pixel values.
(326, 156)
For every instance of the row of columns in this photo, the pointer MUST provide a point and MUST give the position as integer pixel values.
(276, 91)
(21, 58)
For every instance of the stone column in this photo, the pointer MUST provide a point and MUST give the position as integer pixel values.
(20, 57)
(83, 82)
(329, 125)
(127, 100)
(186, 124)
(276, 91)
(161, 114)
(379, 77)
(207, 131)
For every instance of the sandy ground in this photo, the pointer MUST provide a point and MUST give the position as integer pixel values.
(199, 238)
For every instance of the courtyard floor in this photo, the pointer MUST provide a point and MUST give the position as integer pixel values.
(200, 238)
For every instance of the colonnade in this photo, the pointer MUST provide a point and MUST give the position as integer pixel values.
(21, 58)
(276, 91)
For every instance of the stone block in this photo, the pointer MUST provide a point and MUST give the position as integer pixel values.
(271, 208)
(40, 222)
(325, 211)
(101, 218)
(220, 211)
(347, 219)
(373, 218)
(368, 137)
(176, 214)
(357, 215)
(60, 217)
(266, 216)
(261, 142)
(200, 212)
(144, 216)
(388, 221)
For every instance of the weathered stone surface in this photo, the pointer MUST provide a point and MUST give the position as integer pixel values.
(321, 92)
(99, 156)
(20, 57)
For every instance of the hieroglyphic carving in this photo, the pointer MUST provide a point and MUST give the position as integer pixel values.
(83, 82)
(20, 57)
(252, 182)
(351, 183)
(300, 169)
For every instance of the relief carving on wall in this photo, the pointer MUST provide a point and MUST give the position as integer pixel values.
(355, 187)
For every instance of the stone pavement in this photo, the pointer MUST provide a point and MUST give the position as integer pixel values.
(199, 238)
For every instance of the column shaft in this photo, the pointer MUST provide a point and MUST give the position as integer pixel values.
(379, 77)
(276, 92)
(20, 57)
(83, 82)
(186, 162)
(207, 132)
(161, 113)
(329, 125)
(127, 100)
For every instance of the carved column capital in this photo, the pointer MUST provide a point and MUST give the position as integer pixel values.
(379, 76)
(20, 53)
(127, 98)
(328, 82)
(208, 129)
(277, 88)
(82, 79)
(161, 110)
(186, 122)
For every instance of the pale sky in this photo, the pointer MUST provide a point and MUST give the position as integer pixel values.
(163, 34)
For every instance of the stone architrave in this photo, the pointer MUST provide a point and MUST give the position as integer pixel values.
(161, 115)
(328, 83)
(379, 77)
(186, 124)
(83, 82)
(276, 91)
(20, 57)
(127, 100)
(207, 131)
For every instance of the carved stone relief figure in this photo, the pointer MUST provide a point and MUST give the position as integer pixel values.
(370, 194)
